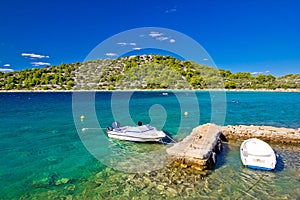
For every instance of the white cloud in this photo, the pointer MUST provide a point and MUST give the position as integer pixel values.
(122, 43)
(137, 48)
(162, 38)
(125, 43)
(33, 55)
(171, 10)
(255, 73)
(111, 54)
(6, 65)
(205, 59)
(6, 70)
(39, 63)
(155, 34)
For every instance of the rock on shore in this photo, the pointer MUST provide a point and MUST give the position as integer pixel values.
(266, 133)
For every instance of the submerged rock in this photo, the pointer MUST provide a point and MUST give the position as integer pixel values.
(171, 192)
(62, 181)
(43, 182)
(160, 187)
(51, 158)
(70, 188)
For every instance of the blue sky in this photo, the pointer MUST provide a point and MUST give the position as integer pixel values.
(254, 36)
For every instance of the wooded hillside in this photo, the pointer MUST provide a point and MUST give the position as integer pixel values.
(140, 72)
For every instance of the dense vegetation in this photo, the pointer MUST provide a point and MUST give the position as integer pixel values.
(58, 77)
(140, 72)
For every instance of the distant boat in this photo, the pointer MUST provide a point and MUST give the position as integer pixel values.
(165, 94)
(141, 133)
(257, 154)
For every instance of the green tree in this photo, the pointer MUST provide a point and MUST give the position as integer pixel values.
(111, 87)
(197, 82)
(230, 85)
(70, 84)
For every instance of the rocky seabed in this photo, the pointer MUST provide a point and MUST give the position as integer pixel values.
(178, 180)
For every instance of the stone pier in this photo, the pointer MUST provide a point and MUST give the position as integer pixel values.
(198, 150)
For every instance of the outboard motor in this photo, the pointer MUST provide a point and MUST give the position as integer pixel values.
(115, 125)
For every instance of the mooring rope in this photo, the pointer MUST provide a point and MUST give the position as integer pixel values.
(172, 140)
(85, 129)
(252, 186)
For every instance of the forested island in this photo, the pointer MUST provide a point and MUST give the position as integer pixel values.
(140, 72)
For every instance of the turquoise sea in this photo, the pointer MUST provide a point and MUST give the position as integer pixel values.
(45, 153)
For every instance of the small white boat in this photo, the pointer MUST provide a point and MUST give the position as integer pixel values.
(141, 133)
(257, 154)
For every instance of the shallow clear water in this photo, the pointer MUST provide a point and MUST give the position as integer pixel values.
(43, 156)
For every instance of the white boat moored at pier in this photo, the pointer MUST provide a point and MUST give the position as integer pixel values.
(141, 133)
(257, 154)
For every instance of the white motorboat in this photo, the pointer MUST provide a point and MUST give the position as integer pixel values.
(257, 154)
(141, 133)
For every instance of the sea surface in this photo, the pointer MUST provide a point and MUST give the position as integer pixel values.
(53, 145)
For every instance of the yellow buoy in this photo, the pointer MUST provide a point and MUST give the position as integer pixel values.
(186, 113)
(82, 117)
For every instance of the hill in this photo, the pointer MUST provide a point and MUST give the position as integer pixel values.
(140, 72)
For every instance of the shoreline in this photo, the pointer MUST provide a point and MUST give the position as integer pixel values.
(157, 90)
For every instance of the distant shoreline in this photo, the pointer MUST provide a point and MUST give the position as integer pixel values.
(156, 90)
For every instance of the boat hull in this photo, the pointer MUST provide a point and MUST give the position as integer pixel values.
(137, 134)
(257, 154)
(259, 168)
(134, 139)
